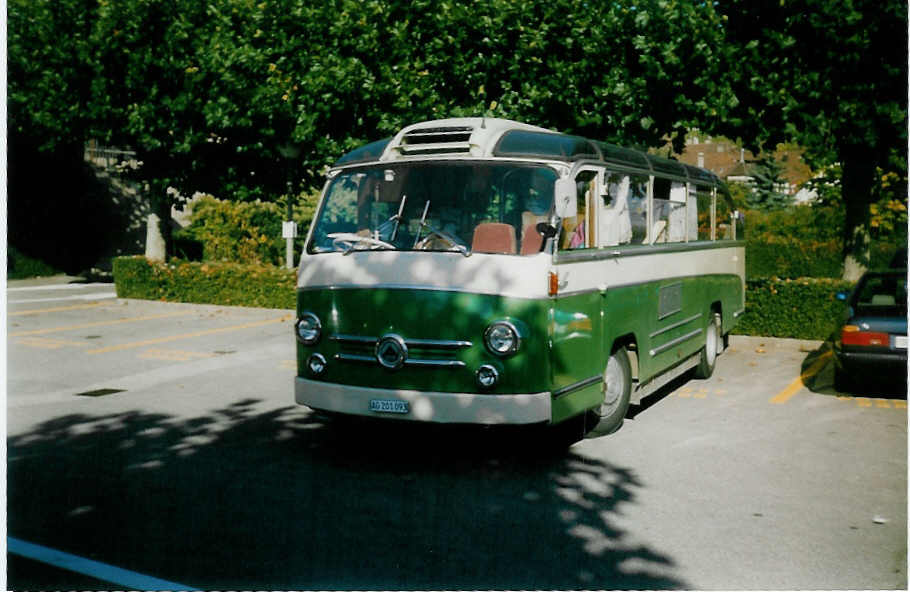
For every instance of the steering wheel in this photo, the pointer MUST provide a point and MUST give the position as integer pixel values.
(349, 240)
(455, 244)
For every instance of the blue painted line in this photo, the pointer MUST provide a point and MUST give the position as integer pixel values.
(96, 569)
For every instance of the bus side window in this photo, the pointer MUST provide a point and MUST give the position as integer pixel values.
(614, 226)
(576, 232)
(638, 209)
(704, 200)
(724, 218)
(669, 222)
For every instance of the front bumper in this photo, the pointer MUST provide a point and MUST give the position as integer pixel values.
(431, 407)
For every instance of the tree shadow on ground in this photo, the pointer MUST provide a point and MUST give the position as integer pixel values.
(283, 499)
(817, 374)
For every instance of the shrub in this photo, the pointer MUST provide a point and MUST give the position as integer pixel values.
(793, 258)
(20, 266)
(807, 241)
(205, 282)
(244, 232)
(804, 308)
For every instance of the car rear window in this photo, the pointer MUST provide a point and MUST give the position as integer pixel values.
(884, 294)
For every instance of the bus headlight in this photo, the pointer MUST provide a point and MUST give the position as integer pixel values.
(308, 329)
(501, 338)
(316, 364)
(487, 376)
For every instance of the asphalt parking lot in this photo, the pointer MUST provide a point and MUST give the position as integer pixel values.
(161, 441)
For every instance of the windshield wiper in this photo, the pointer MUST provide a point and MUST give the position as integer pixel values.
(455, 243)
(397, 217)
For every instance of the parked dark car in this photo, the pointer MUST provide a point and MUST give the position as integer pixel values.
(871, 343)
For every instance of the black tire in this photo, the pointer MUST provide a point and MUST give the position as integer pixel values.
(707, 358)
(617, 389)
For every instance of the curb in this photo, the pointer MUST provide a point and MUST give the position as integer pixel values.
(749, 341)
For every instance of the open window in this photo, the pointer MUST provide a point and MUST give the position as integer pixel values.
(669, 222)
(579, 231)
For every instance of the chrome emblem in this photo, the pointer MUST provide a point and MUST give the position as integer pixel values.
(391, 352)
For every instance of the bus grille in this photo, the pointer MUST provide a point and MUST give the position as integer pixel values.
(421, 353)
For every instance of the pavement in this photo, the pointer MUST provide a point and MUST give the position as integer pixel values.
(159, 442)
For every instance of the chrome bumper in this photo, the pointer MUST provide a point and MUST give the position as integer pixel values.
(433, 407)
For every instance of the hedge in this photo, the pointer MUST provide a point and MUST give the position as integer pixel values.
(785, 257)
(205, 283)
(805, 308)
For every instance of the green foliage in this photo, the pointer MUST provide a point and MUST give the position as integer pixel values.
(245, 232)
(805, 308)
(793, 258)
(205, 283)
(20, 266)
(209, 92)
(806, 241)
(831, 76)
(766, 194)
(809, 222)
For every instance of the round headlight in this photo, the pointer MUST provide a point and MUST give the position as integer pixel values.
(501, 338)
(316, 364)
(308, 328)
(487, 376)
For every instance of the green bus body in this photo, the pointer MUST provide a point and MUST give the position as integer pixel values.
(397, 322)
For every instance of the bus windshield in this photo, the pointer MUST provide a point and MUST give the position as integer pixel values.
(461, 207)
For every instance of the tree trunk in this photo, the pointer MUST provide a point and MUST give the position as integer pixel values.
(856, 186)
(158, 239)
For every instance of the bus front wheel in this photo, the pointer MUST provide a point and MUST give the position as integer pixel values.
(617, 389)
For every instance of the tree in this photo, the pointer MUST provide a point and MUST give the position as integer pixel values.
(830, 75)
(208, 94)
(766, 194)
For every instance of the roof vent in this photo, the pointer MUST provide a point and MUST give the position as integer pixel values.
(437, 140)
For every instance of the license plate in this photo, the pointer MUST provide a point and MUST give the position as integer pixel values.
(900, 342)
(389, 406)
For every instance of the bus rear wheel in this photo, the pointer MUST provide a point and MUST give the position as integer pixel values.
(708, 356)
(617, 389)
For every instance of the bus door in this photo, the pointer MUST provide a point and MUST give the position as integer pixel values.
(577, 324)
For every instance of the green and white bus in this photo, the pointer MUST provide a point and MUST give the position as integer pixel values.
(485, 271)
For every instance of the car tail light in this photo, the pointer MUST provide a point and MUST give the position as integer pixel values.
(853, 335)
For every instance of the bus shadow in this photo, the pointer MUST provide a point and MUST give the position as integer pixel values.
(658, 396)
(817, 375)
(282, 499)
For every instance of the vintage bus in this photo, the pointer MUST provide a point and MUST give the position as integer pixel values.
(485, 271)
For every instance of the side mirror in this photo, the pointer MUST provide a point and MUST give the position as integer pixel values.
(566, 205)
(545, 230)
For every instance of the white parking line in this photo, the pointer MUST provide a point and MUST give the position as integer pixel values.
(57, 287)
(92, 296)
(88, 567)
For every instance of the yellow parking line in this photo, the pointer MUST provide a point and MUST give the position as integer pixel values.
(50, 343)
(134, 344)
(99, 324)
(795, 386)
(54, 309)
